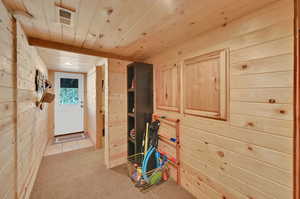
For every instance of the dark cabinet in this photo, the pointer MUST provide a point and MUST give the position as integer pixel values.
(140, 103)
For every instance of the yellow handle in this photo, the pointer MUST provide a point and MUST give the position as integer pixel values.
(146, 138)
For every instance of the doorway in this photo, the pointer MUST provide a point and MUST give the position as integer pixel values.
(69, 103)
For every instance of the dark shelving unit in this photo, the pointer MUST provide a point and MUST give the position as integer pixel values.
(140, 103)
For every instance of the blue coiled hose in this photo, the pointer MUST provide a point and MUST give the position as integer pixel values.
(146, 160)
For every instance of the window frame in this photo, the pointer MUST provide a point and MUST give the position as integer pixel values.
(223, 85)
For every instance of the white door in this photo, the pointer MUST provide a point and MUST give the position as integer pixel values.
(69, 110)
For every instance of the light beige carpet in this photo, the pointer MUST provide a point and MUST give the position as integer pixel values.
(82, 174)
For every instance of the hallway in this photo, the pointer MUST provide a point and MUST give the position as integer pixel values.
(207, 92)
(82, 174)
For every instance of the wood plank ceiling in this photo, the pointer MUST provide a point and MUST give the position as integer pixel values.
(132, 28)
(67, 61)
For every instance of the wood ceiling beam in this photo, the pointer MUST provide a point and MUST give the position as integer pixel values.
(66, 47)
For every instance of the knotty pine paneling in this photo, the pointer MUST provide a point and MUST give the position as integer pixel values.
(136, 28)
(94, 103)
(23, 133)
(116, 113)
(7, 107)
(32, 132)
(251, 154)
(91, 105)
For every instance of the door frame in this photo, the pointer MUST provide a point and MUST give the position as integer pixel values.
(296, 159)
(51, 106)
(99, 112)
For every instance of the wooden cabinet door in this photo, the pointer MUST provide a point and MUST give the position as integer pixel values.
(204, 85)
(168, 87)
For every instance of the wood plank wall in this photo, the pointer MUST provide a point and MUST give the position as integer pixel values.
(7, 106)
(91, 104)
(297, 101)
(51, 107)
(231, 159)
(32, 122)
(116, 113)
(94, 106)
(23, 127)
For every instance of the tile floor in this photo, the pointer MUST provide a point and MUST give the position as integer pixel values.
(67, 146)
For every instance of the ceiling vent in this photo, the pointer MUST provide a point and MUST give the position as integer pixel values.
(65, 16)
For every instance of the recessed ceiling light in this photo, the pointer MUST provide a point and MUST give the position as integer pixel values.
(68, 63)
